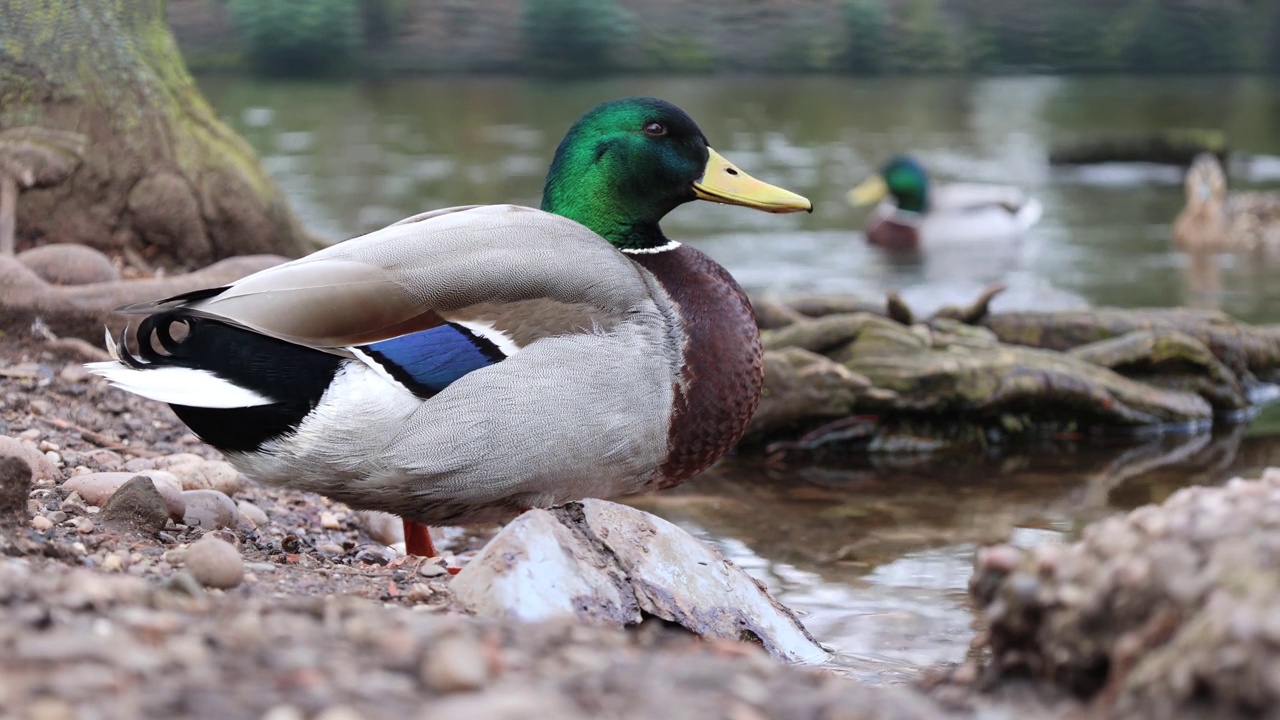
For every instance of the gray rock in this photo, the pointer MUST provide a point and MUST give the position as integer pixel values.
(15, 487)
(137, 505)
(98, 488)
(41, 469)
(209, 509)
(215, 563)
(609, 563)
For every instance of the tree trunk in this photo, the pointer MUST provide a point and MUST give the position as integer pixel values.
(163, 178)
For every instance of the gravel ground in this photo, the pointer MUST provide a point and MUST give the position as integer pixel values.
(200, 595)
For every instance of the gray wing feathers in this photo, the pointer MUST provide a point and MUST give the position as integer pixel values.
(394, 280)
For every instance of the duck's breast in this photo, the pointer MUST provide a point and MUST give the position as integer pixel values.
(719, 386)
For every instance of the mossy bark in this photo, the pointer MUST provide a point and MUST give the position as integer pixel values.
(164, 179)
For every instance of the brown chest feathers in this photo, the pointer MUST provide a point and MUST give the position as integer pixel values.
(724, 363)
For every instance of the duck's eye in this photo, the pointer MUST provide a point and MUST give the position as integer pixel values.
(653, 128)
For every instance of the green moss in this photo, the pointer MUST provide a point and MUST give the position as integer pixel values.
(678, 51)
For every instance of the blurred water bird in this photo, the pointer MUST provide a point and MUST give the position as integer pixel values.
(1214, 220)
(464, 365)
(911, 209)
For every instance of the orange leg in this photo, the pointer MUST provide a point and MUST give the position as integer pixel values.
(417, 540)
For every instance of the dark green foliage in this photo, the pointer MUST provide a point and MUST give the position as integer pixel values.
(573, 37)
(1187, 36)
(298, 37)
(865, 22)
(922, 39)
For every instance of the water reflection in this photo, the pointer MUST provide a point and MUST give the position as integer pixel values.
(876, 551)
(353, 157)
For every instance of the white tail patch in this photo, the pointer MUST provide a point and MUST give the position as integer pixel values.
(178, 386)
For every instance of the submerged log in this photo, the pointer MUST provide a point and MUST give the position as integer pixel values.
(1172, 147)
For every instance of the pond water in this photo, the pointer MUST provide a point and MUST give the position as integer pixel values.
(875, 551)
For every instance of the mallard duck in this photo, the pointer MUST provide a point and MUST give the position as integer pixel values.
(464, 365)
(912, 209)
(1214, 220)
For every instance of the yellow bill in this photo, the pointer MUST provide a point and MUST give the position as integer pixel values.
(869, 192)
(722, 182)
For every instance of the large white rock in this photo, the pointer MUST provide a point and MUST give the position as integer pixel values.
(612, 564)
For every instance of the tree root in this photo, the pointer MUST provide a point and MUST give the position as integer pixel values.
(81, 311)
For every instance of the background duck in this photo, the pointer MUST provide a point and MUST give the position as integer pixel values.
(912, 209)
(1214, 220)
(465, 365)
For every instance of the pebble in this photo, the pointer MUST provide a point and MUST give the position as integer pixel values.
(329, 548)
(83, 525)
(164, 463)
(339, 713)
(208, 475)
(329, 521)
(109, 459)
(209, 509)
(30, 434)
(383, 527)
(112, 563)
(215, 563)
(252, 514)
(97, 488)
(74, 373)
(40, 523)
(48, 708)
(137, 504)
(140, 464)
(455, 664)
(45, 446)
(41, 469)
(431, 569)
(15, 485)
(283, 712)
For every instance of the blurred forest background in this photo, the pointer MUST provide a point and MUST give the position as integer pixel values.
(592, 37)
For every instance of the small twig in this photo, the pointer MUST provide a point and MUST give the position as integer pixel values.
(79, 347)
(99, 439)
(22, 374)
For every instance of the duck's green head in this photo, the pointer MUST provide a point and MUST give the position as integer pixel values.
(903, 178)
(627, 163)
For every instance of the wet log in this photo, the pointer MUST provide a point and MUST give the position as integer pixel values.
(1171, 360)
(971, 376)
(803, 388)
(1173, 147)
(1243, 348)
